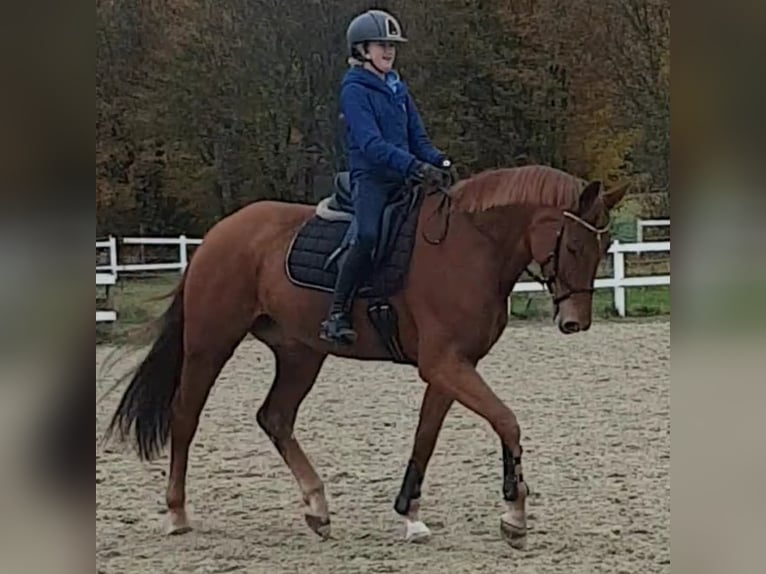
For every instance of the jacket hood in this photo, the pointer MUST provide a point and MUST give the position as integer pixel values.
(358, 75)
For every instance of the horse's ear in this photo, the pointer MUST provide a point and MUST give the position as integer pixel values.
(615, 196)
(589, 196)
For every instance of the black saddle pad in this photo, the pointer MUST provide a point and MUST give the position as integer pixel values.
(318, 240)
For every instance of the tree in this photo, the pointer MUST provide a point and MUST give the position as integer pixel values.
(204, 107)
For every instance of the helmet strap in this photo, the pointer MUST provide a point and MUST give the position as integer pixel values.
(357, 54)
(371, 63)
(366, 58)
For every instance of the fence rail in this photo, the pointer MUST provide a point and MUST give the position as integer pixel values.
(180, 264)
(642, 224)
(618, 282)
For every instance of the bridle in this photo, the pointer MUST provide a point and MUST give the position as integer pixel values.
(550, 266)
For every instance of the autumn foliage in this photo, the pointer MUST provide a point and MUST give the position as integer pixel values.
(202, 107)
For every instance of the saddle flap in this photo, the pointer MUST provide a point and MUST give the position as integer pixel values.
(395, 213)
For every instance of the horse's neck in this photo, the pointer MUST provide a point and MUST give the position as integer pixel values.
(507, 228)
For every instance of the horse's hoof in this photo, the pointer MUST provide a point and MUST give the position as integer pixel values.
(178, 530)
(178, 523)
(515, 536)
(319, 525)
(416, 532)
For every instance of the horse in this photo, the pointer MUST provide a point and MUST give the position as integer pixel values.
(437, 300)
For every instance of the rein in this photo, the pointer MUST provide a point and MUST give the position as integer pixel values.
(444, 202)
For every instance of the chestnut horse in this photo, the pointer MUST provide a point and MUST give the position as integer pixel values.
(451, 309)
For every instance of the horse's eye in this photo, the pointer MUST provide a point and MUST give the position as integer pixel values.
(574, 246)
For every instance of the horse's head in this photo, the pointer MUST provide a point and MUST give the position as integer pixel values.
(569, 268)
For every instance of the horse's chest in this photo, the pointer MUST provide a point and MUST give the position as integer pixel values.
(496, 323)
(484, 328)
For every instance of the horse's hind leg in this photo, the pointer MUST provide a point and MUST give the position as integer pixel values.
(297, 367)
(211, 334)
(199, 372)
(433, 410)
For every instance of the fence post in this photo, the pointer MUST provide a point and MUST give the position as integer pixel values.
(113, 254)
(619, 275)
(183, 254)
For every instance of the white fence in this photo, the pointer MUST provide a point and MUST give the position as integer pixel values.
(618, 282)
(179, 264)
(105, 280)
(106, 277)
(642, 224)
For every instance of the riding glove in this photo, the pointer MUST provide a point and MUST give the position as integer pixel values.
(430, 174)
(448, 166)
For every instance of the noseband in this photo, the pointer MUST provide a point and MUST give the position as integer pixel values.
(548, 279)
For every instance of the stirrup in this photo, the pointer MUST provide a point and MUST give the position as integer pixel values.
(337, 329)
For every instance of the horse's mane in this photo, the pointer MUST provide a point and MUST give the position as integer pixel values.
(534, 185)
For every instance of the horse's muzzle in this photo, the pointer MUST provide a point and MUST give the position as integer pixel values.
(569, 327)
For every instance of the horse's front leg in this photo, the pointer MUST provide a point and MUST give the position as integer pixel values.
(433, 410)
(455, 376)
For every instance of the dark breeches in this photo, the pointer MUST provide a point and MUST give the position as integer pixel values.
(370, 197)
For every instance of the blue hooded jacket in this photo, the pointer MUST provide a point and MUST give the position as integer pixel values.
(385, 132)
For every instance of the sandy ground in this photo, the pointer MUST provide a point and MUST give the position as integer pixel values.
(595, 416)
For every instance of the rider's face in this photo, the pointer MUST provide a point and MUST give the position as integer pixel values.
(382, 55)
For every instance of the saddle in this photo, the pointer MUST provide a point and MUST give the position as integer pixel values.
(320, 246)
(338, 206)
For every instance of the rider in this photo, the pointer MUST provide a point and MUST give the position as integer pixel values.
(387, 145)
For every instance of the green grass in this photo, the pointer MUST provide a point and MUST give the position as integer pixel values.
(648, 301)
(135, 310)
(131, 299)
(639, 302)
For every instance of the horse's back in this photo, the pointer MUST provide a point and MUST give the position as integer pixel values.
(255, 228)
(279, 213)
(259, 219)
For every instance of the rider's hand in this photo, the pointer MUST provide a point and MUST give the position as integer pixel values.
(430, 174)
(448, 166)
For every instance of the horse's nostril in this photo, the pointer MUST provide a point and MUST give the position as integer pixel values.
(571, 326)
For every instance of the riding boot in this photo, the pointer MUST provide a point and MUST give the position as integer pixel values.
(337, 328)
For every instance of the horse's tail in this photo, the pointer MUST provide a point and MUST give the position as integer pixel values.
(147, 401)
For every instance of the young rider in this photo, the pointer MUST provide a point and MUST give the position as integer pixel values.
(387, 146)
